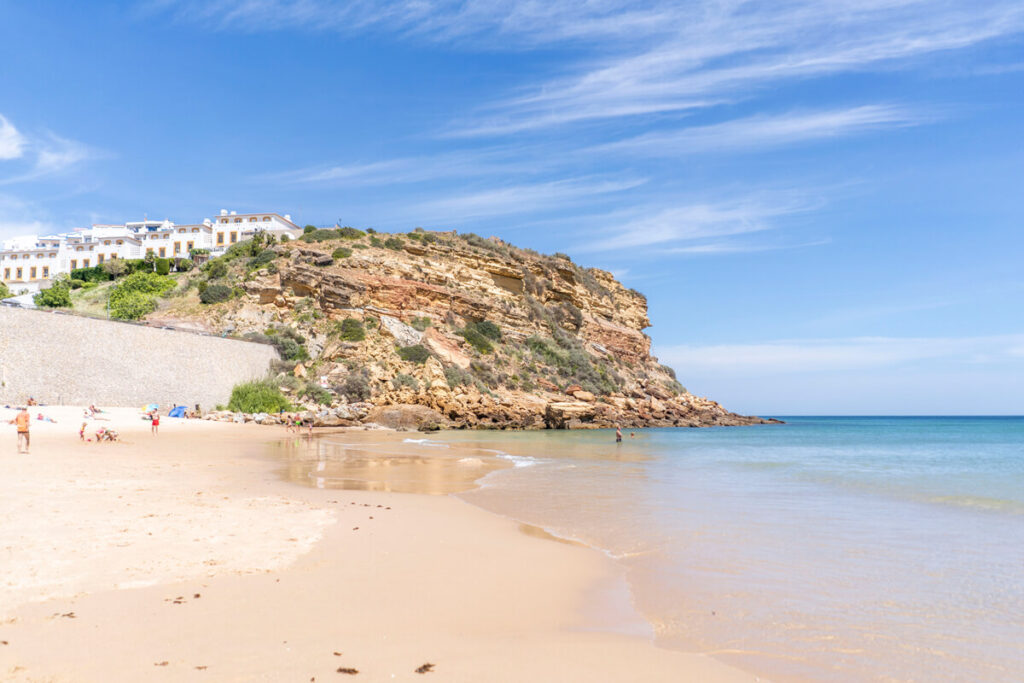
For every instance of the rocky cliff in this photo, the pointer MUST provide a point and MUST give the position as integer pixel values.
(472, 331)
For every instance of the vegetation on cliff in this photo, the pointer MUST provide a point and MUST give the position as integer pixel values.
(474, 331)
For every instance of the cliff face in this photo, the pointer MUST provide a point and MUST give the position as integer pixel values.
(483, 333)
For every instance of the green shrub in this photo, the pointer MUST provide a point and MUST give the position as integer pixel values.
(147, 283)
(375, 241)
(90, 285)
(4, 292)
(308, 229)
(184, 265)
(289, 343)
(214, 294)
(356, 386)
(163, 266)
(421, 323)
(488, 329)
(215, 269)
(318, 394)
(403, 380)
(477, 340)
(76, 284)
(262, 396)
(261, 259)
(341, 252)
(92, 274)
(394, 243)
(57, 295)
(350, 329)
(429, 238)
(351, 233)
(457, 377)
(131, 305)
(414, 354)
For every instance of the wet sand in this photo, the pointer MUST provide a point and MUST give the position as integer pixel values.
(187, 556)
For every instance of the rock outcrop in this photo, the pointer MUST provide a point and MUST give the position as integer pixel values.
(438, 329)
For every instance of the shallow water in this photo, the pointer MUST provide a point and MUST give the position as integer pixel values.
(824, 549)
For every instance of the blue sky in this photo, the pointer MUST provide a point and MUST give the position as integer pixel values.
(821, 199)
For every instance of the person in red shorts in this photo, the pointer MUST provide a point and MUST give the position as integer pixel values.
(155, 426)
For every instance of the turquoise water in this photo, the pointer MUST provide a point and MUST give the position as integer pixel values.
(824, 549)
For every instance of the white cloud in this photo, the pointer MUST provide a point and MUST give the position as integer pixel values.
(726, 51)
(766, 131)
(517, 199)
(12, 143)
(48, 155)
(666, 227)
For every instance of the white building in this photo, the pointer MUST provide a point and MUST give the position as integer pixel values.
(30, 263)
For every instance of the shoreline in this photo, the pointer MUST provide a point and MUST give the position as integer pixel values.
(287, 575)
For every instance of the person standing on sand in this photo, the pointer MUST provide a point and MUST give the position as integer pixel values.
(22, 419)
(155, 426)
(618, 435)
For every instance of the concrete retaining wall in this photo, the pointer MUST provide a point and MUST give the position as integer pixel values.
(71, 360)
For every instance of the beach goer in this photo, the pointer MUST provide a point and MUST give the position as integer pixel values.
(31, 401)
(22, 420)
(155, 425)
(81, 432)
(618, 435)
(632, 434)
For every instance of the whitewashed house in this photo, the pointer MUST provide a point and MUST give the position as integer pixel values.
(30, 263)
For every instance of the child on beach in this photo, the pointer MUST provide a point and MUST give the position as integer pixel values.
(81, 432)
(155, 426)
(23, 419)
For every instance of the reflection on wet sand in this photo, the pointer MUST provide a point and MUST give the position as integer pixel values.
(385, 463)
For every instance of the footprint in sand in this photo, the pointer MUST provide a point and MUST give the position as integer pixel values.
(424, 668)
(346, 670)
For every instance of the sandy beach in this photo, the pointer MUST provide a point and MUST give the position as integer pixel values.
(187, 556)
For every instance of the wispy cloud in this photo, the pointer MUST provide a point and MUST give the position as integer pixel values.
(39, 156)
(519, 199)
(757, 132)
(826, 355)
(471, 163)
(12, 143)
(727, 51)
(677, 228)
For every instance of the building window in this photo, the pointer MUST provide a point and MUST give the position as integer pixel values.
(74, 264)
(149, 250)
(253, 219)
(46, 271)
(181, 229)
(238, 220)
(113, 256)
(7, 273)
(99, 258)
(106, 242)
(85, 263)
(188, 246)
(177, 247)
(223, 220)
(18, 272)
(234, 237)
(32, 273)
(163, 251)
(195, 229)
(220, 238)
(120, 242)
(266, 218)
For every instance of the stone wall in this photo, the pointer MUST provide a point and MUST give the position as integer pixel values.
(71, 360)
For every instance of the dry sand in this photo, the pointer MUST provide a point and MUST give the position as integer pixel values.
(185, 556)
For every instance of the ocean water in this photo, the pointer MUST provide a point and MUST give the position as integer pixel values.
(827, 549)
